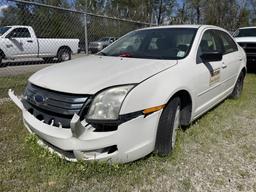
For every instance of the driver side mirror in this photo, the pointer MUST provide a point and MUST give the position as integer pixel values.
(211, 56)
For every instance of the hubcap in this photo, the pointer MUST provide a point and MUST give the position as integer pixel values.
(65, 56)
(175, 126)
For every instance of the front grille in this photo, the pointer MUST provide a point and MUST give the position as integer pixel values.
(53, 107)
(249, 48)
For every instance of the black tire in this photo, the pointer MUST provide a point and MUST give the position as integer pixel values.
(64, 54)
(48, 59)
(165, 138)
(1, 61)
(237, 91)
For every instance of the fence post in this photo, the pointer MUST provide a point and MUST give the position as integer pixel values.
(85, 34)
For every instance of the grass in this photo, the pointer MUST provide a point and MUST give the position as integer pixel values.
(216, 153)
(17, 83)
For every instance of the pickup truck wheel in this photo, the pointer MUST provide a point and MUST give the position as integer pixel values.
(64, 55)
(48, 59)
(167, 128)
(238, 87)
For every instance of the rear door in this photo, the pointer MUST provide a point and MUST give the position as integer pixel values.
(232, 59)
(208, 78)
(21, 44)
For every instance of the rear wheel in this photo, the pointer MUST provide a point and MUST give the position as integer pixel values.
(167, 128)
(64, 54)
(238, 87)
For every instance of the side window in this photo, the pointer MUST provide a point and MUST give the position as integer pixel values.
(152, 44)
(20, 33)
(209, 43)
(229, 45)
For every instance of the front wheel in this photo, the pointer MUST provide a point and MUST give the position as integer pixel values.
(64, 54)
(237, 91)
(167, 128)
(1, 61)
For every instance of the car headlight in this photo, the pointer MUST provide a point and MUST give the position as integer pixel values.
(107, 104)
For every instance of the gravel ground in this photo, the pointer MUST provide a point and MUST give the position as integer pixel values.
(3, 100)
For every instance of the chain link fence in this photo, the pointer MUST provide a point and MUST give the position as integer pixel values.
(38, 35)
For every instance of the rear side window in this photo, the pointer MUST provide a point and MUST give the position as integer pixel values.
(229, 45)
(20, 33)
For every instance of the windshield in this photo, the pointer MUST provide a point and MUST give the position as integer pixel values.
(104, 39)
(250, 32)
(3, 30)
(163, 43)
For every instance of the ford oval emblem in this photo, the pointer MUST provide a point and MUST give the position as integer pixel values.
(39, 99)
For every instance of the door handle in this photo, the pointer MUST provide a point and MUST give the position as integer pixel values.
(9, 46)
(224, 66)
(29, 41)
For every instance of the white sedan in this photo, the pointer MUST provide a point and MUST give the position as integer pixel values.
(130, 99)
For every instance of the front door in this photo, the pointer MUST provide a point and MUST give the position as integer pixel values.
(209, 86)
(19, 43)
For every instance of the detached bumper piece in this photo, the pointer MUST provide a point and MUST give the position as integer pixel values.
(81, 141)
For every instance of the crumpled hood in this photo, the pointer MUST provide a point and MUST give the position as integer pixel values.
(89, 75)
(245, 39)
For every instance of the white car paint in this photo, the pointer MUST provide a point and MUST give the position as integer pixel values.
(104, 72)
(29, 47)
(156, 82)
(245, 39)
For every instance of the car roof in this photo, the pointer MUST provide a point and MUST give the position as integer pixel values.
(183, 26)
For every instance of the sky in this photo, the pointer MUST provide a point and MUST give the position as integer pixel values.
(2, 7)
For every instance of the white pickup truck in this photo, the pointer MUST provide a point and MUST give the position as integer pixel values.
(246, 38)
(21, 42)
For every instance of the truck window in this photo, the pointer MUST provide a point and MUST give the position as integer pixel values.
(247, 32)
(20, 33)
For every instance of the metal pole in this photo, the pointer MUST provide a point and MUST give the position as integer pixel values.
(85, 34)
(86, 30)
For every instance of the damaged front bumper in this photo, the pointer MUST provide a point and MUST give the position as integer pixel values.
(132, 140)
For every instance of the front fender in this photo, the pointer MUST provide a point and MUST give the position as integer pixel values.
(157, 90)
